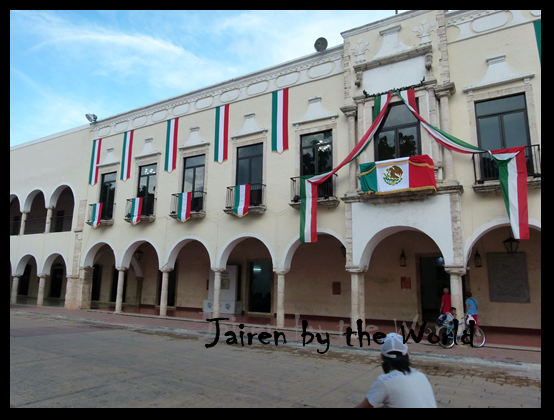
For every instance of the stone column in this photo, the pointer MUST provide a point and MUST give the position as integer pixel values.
(23, 221)
(350, 112)
(48, 219)
(163, 292)
(281, 297)
(357, 295)
(79, 289)
(433, 119)
(443, 93)
(41, 285)
(456, 272)
(217, 291)
(120, 286)
(15, 286)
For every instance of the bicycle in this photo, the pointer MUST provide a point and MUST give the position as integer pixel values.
(478, 334)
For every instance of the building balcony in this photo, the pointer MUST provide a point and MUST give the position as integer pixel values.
(326, 193)
(257, 199)
(148, 209)
(106, 216)
(196, 206)
(485, 170)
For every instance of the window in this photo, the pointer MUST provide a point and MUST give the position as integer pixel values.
(317, 157)
(147, 188)
(502, 123)
(398, 135)
(193, 180)
(250, 171)
(107, 195)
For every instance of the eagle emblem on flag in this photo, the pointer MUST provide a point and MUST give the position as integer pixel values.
(393, 175)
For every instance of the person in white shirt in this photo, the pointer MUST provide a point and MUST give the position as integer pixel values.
(400, 386)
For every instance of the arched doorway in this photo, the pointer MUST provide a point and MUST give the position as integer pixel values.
(36, 217)
(62, 202)
(15, 215)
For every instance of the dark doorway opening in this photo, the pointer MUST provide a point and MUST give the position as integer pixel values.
(261, 273)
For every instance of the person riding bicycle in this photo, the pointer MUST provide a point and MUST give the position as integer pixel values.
(447, 318)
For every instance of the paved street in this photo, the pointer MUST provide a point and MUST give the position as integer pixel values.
(70, 362)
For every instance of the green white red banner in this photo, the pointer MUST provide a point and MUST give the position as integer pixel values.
(242, 200)
(280, 121)
(136, 210)
(171, 145)
(96, 214)
(221, 133)
(94, 161)
(183, 206)
(512, 166)
(126, 156)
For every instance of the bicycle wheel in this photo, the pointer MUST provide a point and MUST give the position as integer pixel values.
(478, 337)
(450, 337)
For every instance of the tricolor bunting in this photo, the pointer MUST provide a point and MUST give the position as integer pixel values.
(221, 133)
(280, 121)
(171, 145)
(309, 183)
(136, 210)
(96, 214)
(512, 166)
(242, 200)
(94, 161)
(183, 206)
(126, 156)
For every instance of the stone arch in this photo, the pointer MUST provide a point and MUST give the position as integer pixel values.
(53, 199)
(20, 267)
(293, 245)
(361, 259)
(91, 253)
(30, 197)
(221, 262)
(126, 259)
(47, 265)
(177, 246)
(489, 226)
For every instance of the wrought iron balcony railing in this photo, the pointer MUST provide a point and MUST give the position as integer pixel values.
(257, 199)
(197, 210)
(106, 216)
(486, 169)
(326, 192)
(148, 210)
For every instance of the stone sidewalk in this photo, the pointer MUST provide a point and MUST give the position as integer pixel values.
(500, 353)
(107, 360)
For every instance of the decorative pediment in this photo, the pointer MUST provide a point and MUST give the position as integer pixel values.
(194, 139)
(109, 159)
(315, 112)
(147, 150)
(249, 127)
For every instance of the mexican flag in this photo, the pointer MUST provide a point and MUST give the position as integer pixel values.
(512, 166)
(126, 156)
(280, 121)
(183, 206)
(96, 214)
(171, 145)
(136, 210)
(242, 200)
(397, 175)
(221, 133)
(94, 161)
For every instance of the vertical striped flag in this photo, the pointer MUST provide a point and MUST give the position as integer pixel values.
(242, 200)
(280, 121)
(94, 161)
(171, 145)
(126, 156)
(183, 207)
(221, 133)
(96, 214)
(136, 210)
(512, 166)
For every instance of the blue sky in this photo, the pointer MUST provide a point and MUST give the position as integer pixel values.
(64, 64)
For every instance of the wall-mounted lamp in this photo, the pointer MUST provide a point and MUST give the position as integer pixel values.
(91, 117)
(402, 259)
(138, 254)
(477, 259)
(343, 250)
(511, 245)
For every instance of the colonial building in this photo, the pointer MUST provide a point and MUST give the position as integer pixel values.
(477, 75)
